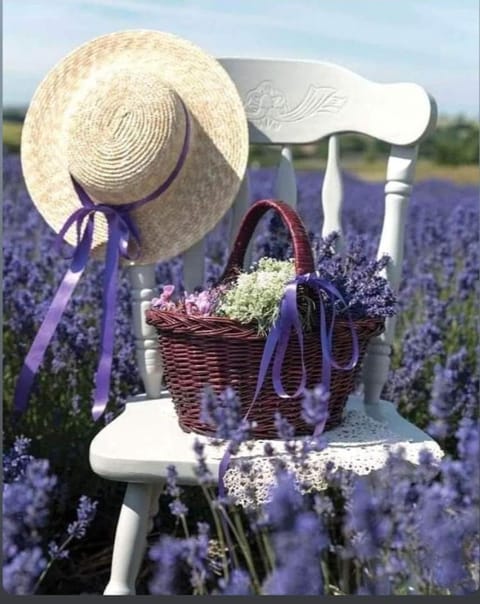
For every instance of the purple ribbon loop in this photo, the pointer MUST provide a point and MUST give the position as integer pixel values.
(122, 230)
(288, 319)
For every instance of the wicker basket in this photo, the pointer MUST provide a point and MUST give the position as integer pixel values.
(222, 352)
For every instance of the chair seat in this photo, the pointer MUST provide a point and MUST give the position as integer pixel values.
(145, 439)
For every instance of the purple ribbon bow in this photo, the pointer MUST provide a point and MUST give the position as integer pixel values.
(277, 342)
(121, 229)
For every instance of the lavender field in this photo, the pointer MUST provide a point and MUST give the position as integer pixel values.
(416, 532)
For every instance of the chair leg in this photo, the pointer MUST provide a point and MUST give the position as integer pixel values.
(155, 492)
(130, 538)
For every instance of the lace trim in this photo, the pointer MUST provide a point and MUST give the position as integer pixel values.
(360, 444)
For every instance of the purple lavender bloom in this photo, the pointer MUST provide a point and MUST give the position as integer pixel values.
(369, 521)
(284, 428)
(315, 406)
(449, 390)
(178, 508)
(56, 552)
(181, 564)
(225, 414)
(28, 497)
(86, 511)
(298, 558)
(238, 584)
(16, 460)
(468, 440)
(359, 280)
(268, 449)
(416, 526)
(445, 537)
(284, 504)
(171, 486)
(171, 575)
(21, 571)
(201, 469)
(26, 510)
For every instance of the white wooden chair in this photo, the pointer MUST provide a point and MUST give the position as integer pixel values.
(286, 102)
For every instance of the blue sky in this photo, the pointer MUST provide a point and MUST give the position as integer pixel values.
(431, 42)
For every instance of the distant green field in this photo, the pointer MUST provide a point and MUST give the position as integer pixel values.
(368, 170)
(376, 170)
(11, 134)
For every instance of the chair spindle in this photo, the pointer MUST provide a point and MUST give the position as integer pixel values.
(143, 288)
(332, 193)
(398, 187)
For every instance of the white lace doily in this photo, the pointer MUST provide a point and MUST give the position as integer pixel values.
(360, 444)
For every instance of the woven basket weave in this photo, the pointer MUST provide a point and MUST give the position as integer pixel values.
(222, 352)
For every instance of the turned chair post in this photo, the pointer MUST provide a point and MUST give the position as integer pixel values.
(143, 287)
(398, 187)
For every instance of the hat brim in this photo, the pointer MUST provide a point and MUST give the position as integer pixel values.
(217, 158)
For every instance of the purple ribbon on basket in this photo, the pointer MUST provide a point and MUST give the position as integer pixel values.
(121, 229)
(277, 342)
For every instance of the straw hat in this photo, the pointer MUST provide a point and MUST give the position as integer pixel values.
(116, 115)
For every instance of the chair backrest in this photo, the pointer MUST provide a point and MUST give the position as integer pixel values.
(298, 102)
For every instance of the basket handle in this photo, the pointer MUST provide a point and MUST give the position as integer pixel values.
(302, 251)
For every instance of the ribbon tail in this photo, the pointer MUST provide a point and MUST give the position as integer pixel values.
(75, 218)
(102, 378)
(44, 335)
(268, 351)
(278, 362)
(288, 318)
(327, 361)
(325, 347)
(334, 293)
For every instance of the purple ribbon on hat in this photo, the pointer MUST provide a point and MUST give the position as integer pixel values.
(277, 342)
(121, 230)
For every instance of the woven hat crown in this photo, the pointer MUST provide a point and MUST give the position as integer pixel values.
(123, 133)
